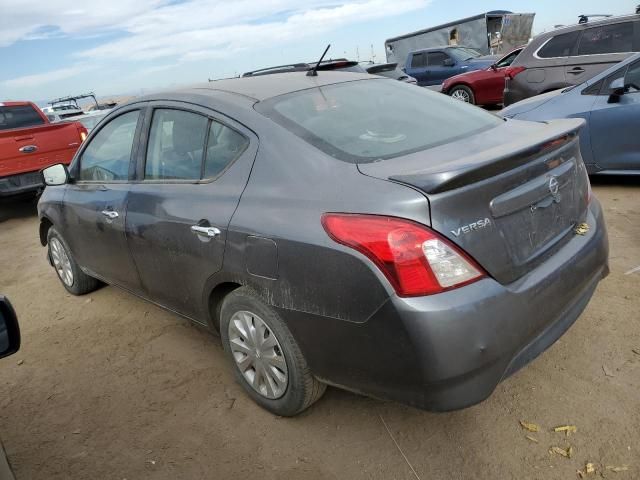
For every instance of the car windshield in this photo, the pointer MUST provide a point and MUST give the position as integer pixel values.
(463, 53)
(369, 120)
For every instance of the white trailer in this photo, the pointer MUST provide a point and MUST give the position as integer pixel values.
(490, 33)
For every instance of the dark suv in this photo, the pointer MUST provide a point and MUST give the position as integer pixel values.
(571, 55)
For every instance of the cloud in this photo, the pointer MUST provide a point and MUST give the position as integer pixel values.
(208, 29)
(43, 78)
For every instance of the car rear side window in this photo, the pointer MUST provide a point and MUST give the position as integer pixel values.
(369, 120)
(613, 38)
(436, 59)
(560, 46)
(419, 60)
(19, 116)
(108, 155)
(176, 145)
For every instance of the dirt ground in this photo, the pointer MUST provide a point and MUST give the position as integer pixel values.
(107, 386)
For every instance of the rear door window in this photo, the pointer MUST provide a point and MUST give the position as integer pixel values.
(436, 59)
(19, 116)
(419, 60)
(176, 145)
(108, 155)
(613, 38)
(177, 151)
(560, 46)
(223, 147)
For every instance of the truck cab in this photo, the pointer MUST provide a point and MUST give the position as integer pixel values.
(29, 143)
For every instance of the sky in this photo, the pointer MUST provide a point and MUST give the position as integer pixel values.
(60, 47)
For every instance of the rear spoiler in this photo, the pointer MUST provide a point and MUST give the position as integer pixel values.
(488, 163)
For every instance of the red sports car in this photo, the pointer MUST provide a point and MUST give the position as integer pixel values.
(481, 87)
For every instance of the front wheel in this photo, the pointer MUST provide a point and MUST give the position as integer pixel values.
(266, 359)
(72, 277)
(463, 93)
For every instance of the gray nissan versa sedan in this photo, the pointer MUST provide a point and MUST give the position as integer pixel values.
(337, 229)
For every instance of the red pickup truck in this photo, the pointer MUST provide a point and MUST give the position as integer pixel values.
(29, 143)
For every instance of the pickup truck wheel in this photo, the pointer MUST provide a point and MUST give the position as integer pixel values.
(266, 359)
(463, 93)
(72, 277)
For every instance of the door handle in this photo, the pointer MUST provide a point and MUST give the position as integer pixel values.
(28, 149)
(576, 70)
(205, 231)
(110, 214)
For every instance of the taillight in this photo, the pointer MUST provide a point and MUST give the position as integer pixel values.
(511, 72)
(415, 259)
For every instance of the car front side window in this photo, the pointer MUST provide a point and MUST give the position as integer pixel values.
(108, 155)
(437, 59)
(632, 78)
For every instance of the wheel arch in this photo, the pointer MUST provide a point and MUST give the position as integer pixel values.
(215, 299)
(45, 225)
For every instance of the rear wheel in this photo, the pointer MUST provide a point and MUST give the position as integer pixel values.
(266, 359)
(463, 93)
(72, 277)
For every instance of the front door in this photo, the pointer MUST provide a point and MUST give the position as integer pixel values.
(192, 173)
(439, 69)
(95, 202)
(614, 127)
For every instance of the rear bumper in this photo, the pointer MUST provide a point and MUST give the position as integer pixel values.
(451, 350)
(22, 183)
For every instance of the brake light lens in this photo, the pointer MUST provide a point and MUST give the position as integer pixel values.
(511, 72)
(415, 259)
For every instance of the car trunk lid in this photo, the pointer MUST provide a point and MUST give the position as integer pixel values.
(509, 197)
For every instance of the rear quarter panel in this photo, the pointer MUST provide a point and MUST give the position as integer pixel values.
(292, 184)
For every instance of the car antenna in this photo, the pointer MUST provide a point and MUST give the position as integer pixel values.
(313, 72)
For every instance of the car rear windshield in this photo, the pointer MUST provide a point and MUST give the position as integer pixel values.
(19, 116)
(369, 120)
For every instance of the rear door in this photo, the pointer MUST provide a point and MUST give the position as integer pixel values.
(95, 201)
(614, 127)
(598, 48)
(191, 174)
(418, 68)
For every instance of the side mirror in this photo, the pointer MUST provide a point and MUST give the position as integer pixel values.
(448, 63)
(9, 329)
(404, 69)
(55, 175)
(494, 67)
(616, 90)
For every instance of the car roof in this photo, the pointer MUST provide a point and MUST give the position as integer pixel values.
(580, 26)
(262, 87)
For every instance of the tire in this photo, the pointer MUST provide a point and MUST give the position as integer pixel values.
(463, 93)
(243, 312)
(78, 282)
